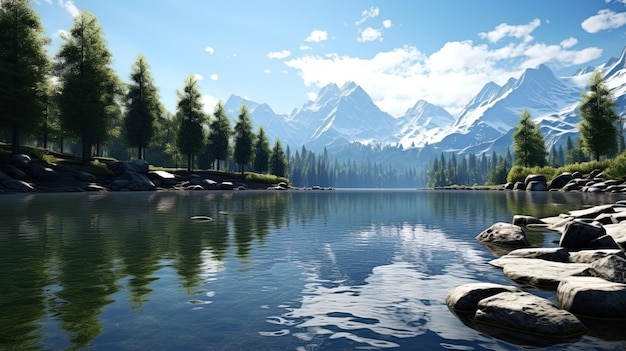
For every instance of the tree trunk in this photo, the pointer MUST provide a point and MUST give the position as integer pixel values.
(86, 150)
(189, 162)
(15, 142)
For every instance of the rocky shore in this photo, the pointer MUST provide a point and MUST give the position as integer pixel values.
(23, 174)
(586, 273)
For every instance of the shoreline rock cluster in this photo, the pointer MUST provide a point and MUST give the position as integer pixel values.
(586, 272)
(594, 182)
(26, 175)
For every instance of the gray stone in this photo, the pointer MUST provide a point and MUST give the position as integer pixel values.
(592, 297)
(15, 184)
(465, 298)
(15, 172)
(20, 160)
(139, 182)
(593, 212)
(611, 268)
(519, 186)
(618, 232)
(140, 166)
(43, 173)
(227, 186)
(595, 173)
(527, 313)
(541, 273)
(85, 176)
(522, 220)
(163, 178)
(209, 184)
(539, 178)
(578, 234)
(4, 176)
(603, 242)
(560, 181)
(504, 234)
(536, 186)
(588, 256)
(556, 254)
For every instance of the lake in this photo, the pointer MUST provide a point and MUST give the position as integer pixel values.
(292, 270)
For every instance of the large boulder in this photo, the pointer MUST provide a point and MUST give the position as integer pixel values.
(163, 178)
(504, 234)
(593, 212)
(43, 173)
(536, 186)
(556, 254)
(560, 180)
(540, 273)
(465, 298)
(527, 313)
(19, 185)
(588, 256)
(139, 182)
(611, 268)
(15, 172)
(578, 234)
(592, 297)
(538, 178)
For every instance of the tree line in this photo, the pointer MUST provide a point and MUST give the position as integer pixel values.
(77, 96)
(600, 130)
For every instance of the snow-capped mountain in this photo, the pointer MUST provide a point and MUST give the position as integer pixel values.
(342, 116)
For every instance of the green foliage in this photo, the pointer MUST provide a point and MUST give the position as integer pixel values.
(528, 144)
(219, 135)
(278, 161)
(244, 138)
(265, 178)
(88, 100)
(617, 167)
(142, 107)
(598, 119)
(190, 136)
(23, 67)
(261, 153)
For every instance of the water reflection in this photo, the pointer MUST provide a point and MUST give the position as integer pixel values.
(330, 270)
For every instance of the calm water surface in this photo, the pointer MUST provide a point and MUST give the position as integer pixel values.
(301, 270)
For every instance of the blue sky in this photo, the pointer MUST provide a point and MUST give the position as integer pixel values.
(399, 51)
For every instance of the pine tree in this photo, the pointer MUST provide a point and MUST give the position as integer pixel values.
(262, 152)
(244, 139)
(278, 161)
(190, 138)
(528, 144)
(219, 135)
(143, 107)
(90, 88)
(23, 68)
(598, 119)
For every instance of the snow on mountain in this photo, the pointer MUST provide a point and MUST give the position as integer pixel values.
(346, 115)
(423, 124)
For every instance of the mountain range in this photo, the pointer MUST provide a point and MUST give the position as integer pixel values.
(345, 118)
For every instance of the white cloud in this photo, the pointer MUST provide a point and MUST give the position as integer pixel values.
(214, 76)
(506, 30)
(267, 71)
(70, 7)
(604, 20)
(198, 77)
(369, 34)
(365, 14)
(569, 42)
(279, 54)
(209, 103)
(305, 47)
(209, 50)
(387, 24)
(317, 36)
(449, 78)
(311, 95)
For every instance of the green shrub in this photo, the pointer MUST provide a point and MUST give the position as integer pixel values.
(265, 178)
(616, 168)
(519, 173)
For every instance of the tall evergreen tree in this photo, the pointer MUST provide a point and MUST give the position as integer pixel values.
(262, 152)
(244, 138)
(597, 128)
(190, 138)
(23, 68)
(143, 107)
(278, 161)
(528, 144)
(88, 100)
(219, 135)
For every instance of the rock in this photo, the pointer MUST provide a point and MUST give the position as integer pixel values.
(521, 220)
(119, 184)
(194, 187)
(592, 297)
(227, 186)
(603, 242)
(556, 254)
(4, 176)
(209, 184)
(618, 233)
(611, 268)
(165, 179)
(588, 256)
(519, 186)
(539, 178)
(578, 234)
(465, 298)
(577, 175)
(15, 172)
(536, 186)
(541, 273)
(527, 313)
(595, 173)
(504, 234)
(140, 166)
(19, 185)
(20, 160)
(85, 176)
(118, 167)
(560, 181)
(43, 173)
(572, 186)
(139, 182)
(509, 186)
(95, 187)
(593, 212)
